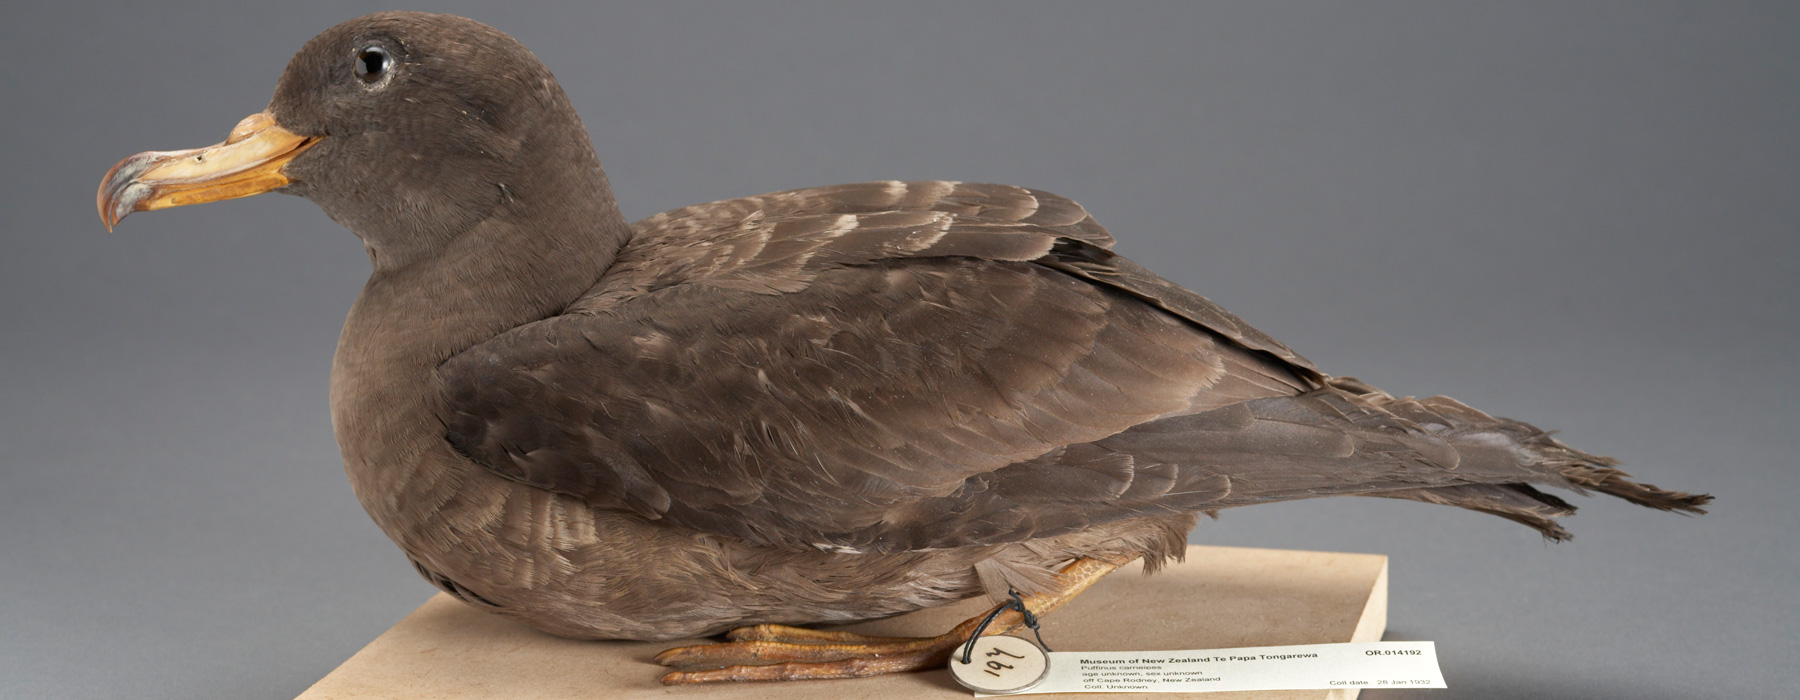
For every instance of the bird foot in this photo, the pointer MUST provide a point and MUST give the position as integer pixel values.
(782, 653)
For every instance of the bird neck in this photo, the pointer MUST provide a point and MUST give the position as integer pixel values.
(547, 242)
(544, 244)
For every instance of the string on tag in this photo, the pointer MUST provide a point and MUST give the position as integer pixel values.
(1017, 603)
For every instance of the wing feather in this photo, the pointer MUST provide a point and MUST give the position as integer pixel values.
(884, 365)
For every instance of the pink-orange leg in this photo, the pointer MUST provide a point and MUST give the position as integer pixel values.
(781, 653)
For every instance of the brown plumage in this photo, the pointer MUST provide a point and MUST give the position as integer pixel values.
(811, 406)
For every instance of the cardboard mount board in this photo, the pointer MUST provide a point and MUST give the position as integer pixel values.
(1221, 597)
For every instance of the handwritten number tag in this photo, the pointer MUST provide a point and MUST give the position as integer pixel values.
(1001, 664)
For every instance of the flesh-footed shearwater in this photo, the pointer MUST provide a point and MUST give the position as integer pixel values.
(804, 407)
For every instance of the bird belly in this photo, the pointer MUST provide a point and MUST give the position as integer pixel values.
(558, 565)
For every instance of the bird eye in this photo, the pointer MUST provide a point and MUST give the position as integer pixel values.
(371, 63)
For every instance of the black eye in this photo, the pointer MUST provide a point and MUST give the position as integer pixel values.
(371, 63)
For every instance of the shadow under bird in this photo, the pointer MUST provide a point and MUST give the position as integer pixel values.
(804, 407)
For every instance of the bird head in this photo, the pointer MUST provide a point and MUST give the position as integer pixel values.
(404, 127)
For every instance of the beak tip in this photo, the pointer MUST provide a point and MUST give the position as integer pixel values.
(107, 217)
(120, 192)
(107, 200)
(113, 208)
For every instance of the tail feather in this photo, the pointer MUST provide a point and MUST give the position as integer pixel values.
(1482, 439)
(1614, 482)
(1519, 503)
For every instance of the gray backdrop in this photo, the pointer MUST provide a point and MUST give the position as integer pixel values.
(1579, 215)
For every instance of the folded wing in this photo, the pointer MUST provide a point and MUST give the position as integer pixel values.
(850, 367)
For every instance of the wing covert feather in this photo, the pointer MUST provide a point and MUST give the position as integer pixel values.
(844, 367)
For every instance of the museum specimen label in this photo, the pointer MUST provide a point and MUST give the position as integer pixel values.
(1300, 667)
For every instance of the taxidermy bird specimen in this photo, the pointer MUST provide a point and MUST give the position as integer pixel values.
(805, 407)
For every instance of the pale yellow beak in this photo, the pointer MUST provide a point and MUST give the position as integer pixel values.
(249, 162)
